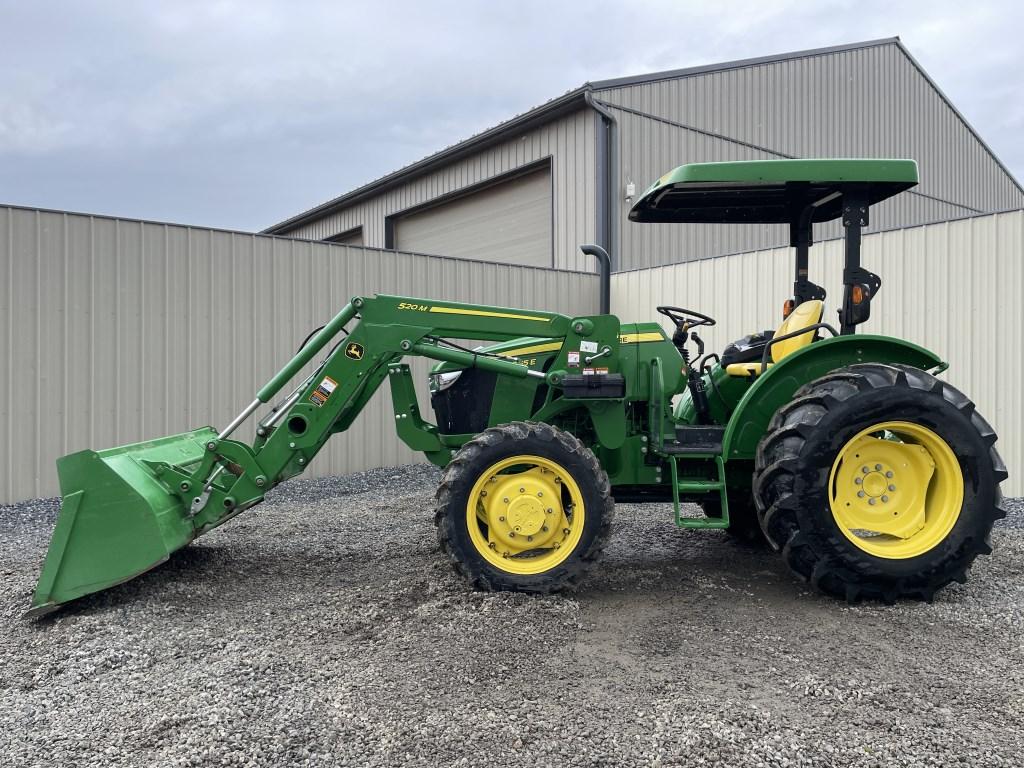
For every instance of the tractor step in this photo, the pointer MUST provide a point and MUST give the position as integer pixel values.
(701, 486)
(696, 438)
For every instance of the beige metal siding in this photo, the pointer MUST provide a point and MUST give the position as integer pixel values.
(114, 331)
(571, 144)
(952, 287)
(867, 102)
(508, 222)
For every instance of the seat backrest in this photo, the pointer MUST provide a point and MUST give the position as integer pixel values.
(803, 315)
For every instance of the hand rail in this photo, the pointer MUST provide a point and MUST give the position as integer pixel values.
(794, 334)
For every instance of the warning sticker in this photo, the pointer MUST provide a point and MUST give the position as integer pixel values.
(573, 359)
(588, 346)
(323, 391)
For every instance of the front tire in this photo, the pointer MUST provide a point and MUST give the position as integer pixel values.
(880, 482)
(523, 507)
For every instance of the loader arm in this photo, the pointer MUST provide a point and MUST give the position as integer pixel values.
(126, 509)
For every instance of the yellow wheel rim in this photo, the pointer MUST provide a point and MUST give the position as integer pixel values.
(525, 515)
(896, 490)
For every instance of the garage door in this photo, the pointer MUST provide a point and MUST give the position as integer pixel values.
(510, 221)
(349, 237)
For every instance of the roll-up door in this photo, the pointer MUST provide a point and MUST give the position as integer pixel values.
(509, 222)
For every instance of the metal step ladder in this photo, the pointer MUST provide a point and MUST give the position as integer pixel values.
(700, 486)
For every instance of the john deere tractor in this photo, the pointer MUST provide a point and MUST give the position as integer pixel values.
(873, 478)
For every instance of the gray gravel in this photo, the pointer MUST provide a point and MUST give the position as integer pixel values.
(324, 628)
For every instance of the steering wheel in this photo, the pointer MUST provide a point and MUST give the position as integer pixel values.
(680, 317)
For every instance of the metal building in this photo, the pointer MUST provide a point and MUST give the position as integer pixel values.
(530, 190)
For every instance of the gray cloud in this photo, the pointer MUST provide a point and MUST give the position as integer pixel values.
(239, 114)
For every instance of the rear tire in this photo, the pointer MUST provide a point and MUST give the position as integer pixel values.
(498, 499)
(799, 494)
(744, 526)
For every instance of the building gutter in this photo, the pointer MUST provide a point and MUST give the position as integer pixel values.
(608, 182)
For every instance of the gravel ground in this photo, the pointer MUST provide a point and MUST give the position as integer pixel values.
(324, 628)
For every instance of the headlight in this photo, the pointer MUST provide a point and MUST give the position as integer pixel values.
(439, 382)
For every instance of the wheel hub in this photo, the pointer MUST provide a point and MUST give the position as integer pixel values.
(525, 515)
(875, 485)
(524, 511)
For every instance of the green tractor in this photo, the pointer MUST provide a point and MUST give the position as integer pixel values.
(874, 478)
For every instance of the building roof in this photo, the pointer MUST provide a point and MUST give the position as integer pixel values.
(575, 99)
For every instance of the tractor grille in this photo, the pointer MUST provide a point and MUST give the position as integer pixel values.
(465, 406)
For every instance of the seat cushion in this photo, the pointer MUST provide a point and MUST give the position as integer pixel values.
(745, 369)
(803, 316)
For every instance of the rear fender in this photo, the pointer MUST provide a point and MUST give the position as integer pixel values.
(777, 385)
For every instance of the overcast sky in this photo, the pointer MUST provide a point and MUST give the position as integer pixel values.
(241, 113)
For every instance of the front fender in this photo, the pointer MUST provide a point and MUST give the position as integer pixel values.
(776, 386)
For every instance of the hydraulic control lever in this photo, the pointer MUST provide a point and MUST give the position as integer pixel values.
(694, 380)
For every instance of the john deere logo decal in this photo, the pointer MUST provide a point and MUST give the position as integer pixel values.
(354, 351)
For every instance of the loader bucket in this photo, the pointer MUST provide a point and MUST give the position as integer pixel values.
(117, 520)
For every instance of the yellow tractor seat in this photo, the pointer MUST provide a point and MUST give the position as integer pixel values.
(803, 316)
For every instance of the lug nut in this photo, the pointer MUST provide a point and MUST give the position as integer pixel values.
(565, 531)
(544, 528)
(483, 493)
(550, 511)
(529, 538)
(511, 534)
(540, 494)
(865, 470)
(505, 499)
(871, 502)
(860, 494)
(522, 490)
(889, 473)
(501, 519)
(878, 467)
(892, 487)
(858, 480)
(558, 479)
(491, 545)
(885, 499)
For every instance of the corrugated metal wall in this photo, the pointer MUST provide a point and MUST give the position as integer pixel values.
(866, 102)
(954, 287)
(115, 331)
(571, 144)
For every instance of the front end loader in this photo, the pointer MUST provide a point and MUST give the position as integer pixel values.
(874, 478)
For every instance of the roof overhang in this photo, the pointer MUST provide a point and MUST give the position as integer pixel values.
(570, 102)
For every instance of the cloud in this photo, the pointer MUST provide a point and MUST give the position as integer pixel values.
(241, 113)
